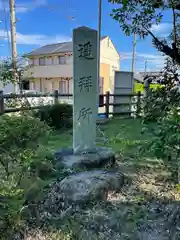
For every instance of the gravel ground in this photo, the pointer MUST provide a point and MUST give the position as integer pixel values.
(147, 208)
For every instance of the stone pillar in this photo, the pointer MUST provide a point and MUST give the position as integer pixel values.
(85, 98)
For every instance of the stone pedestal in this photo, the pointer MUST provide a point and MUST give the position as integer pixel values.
(94, 158)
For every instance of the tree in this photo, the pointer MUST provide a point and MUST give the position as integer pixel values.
(138, 16)
(6, 70)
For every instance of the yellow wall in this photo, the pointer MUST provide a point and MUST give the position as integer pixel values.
(105, 73)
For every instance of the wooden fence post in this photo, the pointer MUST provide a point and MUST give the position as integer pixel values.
(107, 104)
(146, 94)
(56, 97)
(138, 104)
(1, 103)
(146, 88)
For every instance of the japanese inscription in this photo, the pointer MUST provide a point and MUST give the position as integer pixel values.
(84, 88)
(85, 83)
(84, 113)
(85, 51)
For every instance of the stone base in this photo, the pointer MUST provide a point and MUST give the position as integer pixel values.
(96, 158)
(83, 187)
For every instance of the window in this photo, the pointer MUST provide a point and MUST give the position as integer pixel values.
(35, 61)
(62, 60)
(42, 61)
(48, 61)
(101, 85)
(63, 87)
(25, 85)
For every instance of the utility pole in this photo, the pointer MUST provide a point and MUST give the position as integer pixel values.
(99, 42)
(134, 52)
(145, 67)
(13, 42)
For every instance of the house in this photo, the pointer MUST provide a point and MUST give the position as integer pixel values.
(150, 74)
(138, 78)
(51, 67)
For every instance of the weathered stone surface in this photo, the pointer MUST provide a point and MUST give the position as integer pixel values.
(83, 187)
(99, 157)
(84, 88)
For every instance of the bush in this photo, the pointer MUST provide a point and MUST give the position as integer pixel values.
(161, 118)
(159, 103)
(166, 141)
(57, 116)
(22, 171)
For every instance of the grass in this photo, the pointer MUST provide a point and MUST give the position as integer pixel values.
(124, 137)
(139, 87)
(127, 131)
(137, 212)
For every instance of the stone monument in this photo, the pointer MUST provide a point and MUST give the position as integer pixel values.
(90, 169)
(85, 105)
(84, 89)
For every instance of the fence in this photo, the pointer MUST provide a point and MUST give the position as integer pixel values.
(105, 101)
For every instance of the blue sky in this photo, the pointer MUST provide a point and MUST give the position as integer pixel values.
(40, 22)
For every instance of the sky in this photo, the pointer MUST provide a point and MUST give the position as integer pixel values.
(41, 22)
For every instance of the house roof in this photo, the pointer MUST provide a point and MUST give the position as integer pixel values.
(54, 48)
(152, 74)
(138, 77)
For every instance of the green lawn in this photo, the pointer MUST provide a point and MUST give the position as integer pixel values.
(124, 137)
(128, 131)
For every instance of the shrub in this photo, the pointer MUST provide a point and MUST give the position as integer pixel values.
(57, 116)
(166, 141)
(161, 100)
(159, 103)
(21, 169)
(162, 109)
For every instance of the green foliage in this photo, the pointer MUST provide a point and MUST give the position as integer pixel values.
(166, 141)
(6, 70)
(162, 108)
(21, 168)
(57, 116)
(161, 100)
(137, 16)
(139, 87)
(159, 103)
